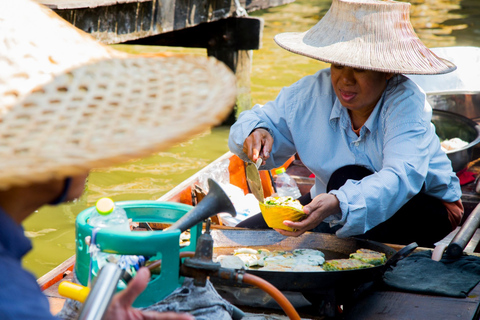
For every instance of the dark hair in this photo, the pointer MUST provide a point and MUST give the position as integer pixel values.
(394, 81)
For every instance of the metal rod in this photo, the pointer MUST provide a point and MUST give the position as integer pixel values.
(463, 236)
(100, 296)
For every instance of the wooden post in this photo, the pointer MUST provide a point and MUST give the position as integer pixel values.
(216, 25)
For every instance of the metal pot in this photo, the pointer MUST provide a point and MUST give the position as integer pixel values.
(226, 241)
(450, 125)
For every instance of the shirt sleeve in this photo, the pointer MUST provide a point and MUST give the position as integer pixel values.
(20, 295)
(407, 137)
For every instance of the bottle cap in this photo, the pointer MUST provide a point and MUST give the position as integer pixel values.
(280, 170)
(104, 206)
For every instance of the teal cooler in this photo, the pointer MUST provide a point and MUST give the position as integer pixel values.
(163, 245)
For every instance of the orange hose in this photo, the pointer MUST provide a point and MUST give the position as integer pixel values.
(274, 292)
(187, 254)
(256, 281)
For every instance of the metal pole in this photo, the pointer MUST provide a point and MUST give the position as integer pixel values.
(100, 296)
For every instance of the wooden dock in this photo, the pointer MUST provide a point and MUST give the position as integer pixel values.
(222, 27)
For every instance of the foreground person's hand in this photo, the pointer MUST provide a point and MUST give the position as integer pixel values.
(121, 306)
(319, 209)
(258, 144)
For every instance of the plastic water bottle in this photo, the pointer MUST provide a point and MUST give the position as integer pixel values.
(106, 216)
(109, 216)
(286, 185)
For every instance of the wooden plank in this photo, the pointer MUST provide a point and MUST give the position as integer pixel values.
(77, 4)
(56, 274)
(113, 21)
(231, 34)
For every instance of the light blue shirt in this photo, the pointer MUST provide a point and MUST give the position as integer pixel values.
(397, 142)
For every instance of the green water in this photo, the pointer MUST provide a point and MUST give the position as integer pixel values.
(439, 23)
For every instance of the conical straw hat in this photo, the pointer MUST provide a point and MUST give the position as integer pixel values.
(367, 34)
(69, 103)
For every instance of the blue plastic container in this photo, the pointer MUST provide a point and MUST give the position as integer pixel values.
(163, 245)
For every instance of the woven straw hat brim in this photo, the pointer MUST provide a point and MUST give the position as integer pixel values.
(109, 112)
(368, 34)
(69, 104)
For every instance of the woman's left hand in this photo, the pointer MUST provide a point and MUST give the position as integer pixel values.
(321, 207)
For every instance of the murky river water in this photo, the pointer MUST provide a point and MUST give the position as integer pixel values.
(439, 23)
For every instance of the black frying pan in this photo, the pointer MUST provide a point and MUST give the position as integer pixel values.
(226, 241)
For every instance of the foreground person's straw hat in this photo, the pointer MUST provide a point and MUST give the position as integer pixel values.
(69, 104)
(367, 34)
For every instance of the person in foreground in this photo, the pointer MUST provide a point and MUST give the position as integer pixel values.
(69, 104)
(362, 127)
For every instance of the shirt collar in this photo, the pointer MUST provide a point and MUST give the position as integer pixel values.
(371, 123)
(12, 237)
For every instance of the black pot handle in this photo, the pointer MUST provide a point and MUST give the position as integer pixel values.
(399, 255)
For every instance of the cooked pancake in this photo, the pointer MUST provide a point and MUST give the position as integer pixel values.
(345, 264)
(369, 256)
(278, 260)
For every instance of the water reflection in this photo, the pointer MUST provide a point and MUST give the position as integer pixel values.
(439, 23)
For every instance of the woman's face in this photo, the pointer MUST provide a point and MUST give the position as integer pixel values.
(358, 89)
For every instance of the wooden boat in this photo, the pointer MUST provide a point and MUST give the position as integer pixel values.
(379, 303)
(189, 192)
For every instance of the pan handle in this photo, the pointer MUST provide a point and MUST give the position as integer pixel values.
(399, 255)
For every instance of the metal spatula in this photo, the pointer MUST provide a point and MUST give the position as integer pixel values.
(253, 179)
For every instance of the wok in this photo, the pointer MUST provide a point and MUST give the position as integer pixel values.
(226, 241)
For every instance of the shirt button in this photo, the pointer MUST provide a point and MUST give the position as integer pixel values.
(356, 144)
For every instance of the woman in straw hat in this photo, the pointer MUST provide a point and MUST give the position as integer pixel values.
(362, 127)
(69, 104)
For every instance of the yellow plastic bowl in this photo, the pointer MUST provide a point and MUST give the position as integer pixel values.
(274, 215)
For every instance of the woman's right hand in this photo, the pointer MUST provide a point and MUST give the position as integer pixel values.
(258, 144)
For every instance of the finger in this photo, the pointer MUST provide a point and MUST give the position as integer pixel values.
(256, 148)
(247, 147)
(267, 146)
(289, 233)
(135, 287)
(306, 209)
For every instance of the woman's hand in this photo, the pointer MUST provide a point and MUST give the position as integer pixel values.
(121, 306)
(258, 144)
(321, 207)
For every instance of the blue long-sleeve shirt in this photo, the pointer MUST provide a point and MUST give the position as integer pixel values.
(398, 142)
(20, 295)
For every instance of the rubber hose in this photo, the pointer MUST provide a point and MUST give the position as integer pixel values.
(274, 292)
(256, 281)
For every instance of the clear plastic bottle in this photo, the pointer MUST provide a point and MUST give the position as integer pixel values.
(286, 185)
(108, 215)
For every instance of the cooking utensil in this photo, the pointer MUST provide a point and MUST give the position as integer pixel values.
(216, 201)
(455, 248)
(253, 180)
(450, 125)
(226, 241)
